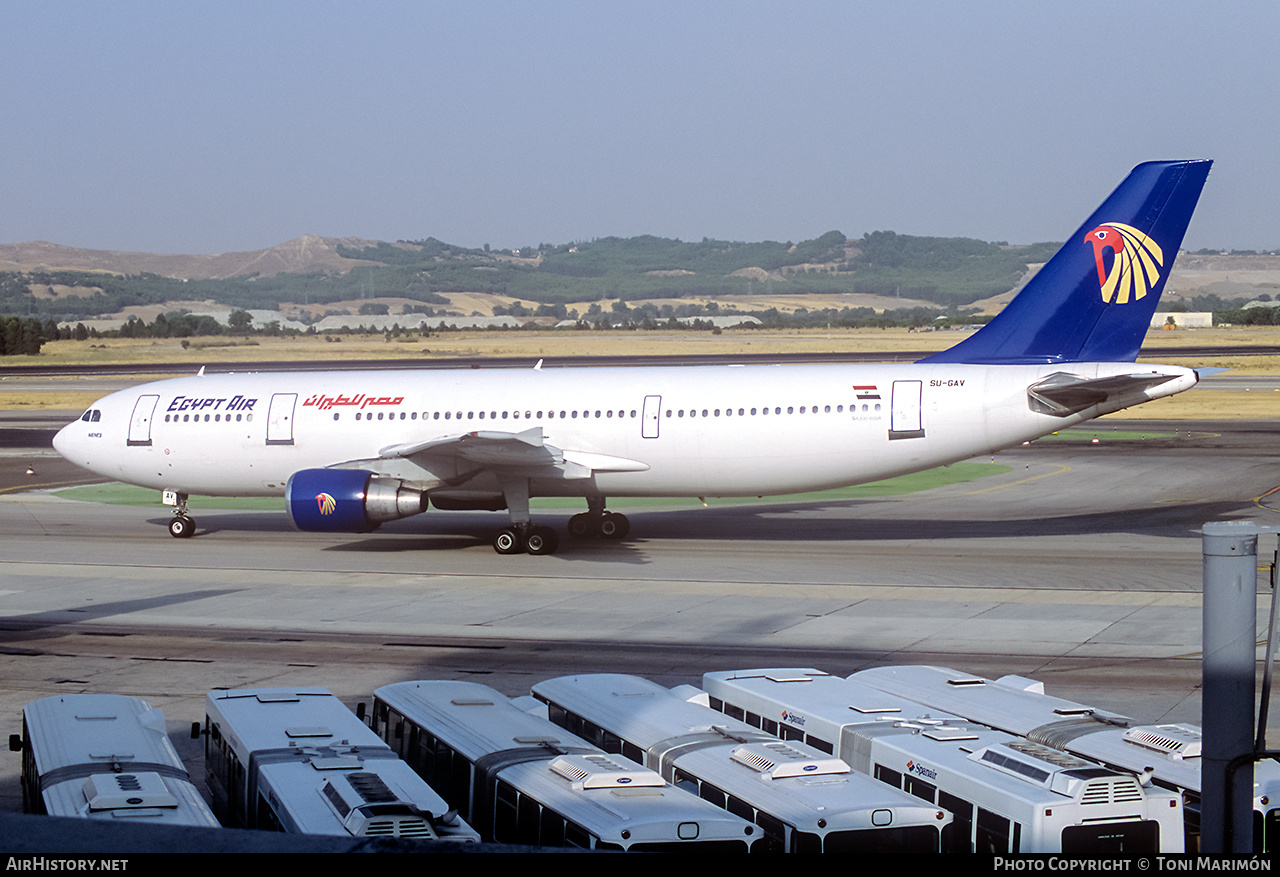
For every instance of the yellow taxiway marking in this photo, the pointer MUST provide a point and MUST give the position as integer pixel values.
(1060, 470)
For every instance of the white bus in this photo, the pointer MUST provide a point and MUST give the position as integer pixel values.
(521, 780)
(104, 756)
(1017, 705)
(297, 760)
(803, 800)
(1007, 794)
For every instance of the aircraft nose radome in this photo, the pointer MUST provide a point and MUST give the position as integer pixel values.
(63, 441)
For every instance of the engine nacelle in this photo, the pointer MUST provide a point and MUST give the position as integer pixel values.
(348, 500)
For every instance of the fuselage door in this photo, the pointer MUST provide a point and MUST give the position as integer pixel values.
(904, 410)
(140, 422)
(280, 419)
(652, 414)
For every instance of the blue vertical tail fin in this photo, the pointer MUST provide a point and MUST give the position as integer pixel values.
(1093, 301)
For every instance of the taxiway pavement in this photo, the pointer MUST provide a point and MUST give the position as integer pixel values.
(1081, 566)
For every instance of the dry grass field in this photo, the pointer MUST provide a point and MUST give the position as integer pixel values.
(1199, 403)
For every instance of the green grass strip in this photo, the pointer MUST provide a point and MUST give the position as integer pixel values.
(115, 493)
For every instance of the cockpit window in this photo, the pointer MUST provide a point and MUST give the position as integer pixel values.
(93, 415)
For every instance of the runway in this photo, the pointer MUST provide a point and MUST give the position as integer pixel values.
(1081, 566)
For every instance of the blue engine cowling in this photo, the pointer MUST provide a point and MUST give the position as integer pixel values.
(348, 500)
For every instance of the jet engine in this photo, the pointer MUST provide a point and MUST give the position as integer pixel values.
(348, 500)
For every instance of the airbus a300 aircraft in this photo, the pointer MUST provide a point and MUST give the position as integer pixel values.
(350, 450)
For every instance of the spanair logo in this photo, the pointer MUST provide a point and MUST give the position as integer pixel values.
(326, 503)
(1135, 266)
(917, 769)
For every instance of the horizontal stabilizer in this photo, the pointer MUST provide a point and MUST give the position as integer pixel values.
(1062, 394)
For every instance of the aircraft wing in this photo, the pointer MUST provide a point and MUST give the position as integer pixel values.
(524, 453)
(487, 447)
(1063, 394)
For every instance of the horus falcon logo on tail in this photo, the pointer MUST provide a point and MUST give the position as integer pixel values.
(1135, 266)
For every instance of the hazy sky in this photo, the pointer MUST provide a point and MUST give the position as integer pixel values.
(219, 126)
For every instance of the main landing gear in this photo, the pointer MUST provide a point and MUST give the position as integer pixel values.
(518, 539)
(605, 525)
(523, 536)
(181, 526)
(595, 522)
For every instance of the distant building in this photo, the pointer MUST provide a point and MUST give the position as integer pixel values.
(384, 322)
(1200, 320)
(720, 322)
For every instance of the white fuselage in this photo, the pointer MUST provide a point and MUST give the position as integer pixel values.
(683, 431)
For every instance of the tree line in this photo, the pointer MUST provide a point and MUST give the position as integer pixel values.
(25, 337)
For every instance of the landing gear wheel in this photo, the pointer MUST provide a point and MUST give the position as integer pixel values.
(606, 525)
(542, 540)
(614, 526)
(508, 542)
(181, 527)
(584, 525)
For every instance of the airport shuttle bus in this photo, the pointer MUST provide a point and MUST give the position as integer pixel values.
(803, 800)
(521, 780)
(297, 760)
(1007, 794)
(1017, 705)
(104, 756)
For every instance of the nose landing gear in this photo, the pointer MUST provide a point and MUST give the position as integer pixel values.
(181, 525)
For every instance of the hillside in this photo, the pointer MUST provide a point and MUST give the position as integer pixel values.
(302, 255)
(312, 276)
